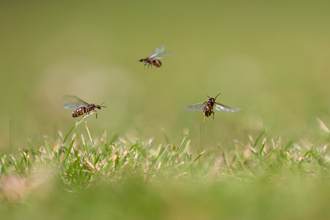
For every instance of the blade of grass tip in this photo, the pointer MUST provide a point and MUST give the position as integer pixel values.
(60, 134)
(4, 164)
(197, 158)
(104, 139)
(5, 170)
(186, 143)
(25, 157)
(159, 150)
(67, 135)
(84, 144)
(89, 134)
(323, 126)
(276, 149)
(227, 161)
(12, 161)
(265, 161)
(289, 144)
(256, 142)
(182, 143)
(69, 149)
(239, 159)
(218, 145)
(166, 138)
(262, 147)
(185, 150)
(162, 154)
(113, 138)
(31, 148)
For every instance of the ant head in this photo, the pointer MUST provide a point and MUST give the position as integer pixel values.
(101, 105)
(214, 97)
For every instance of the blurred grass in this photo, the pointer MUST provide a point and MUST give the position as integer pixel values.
(270, 59)
(128, 178)
(292, 199)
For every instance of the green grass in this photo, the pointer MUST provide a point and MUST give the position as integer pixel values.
(124, 177)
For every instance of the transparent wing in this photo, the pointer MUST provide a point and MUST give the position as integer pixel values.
(72, 105)
(162, 55)
(73, 102)
(221, 107)
(158, 50)
(74, 99)
(195, 107)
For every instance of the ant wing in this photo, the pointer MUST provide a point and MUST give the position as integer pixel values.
(196, 107)
(74, 99)
(72, 105)
(221, 107)
(162, 55)
(157, 51)
(71, 99)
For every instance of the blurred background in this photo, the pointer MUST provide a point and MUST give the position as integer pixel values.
(269, 58)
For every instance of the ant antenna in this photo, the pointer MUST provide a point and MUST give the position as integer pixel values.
(217, 96)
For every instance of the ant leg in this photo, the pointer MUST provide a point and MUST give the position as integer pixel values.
(204, 117)
(213, 115)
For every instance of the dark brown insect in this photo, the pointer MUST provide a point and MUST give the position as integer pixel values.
(207, 107)
(81, 107)
(153, 59)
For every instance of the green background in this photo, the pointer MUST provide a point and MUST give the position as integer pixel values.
(270, 58)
